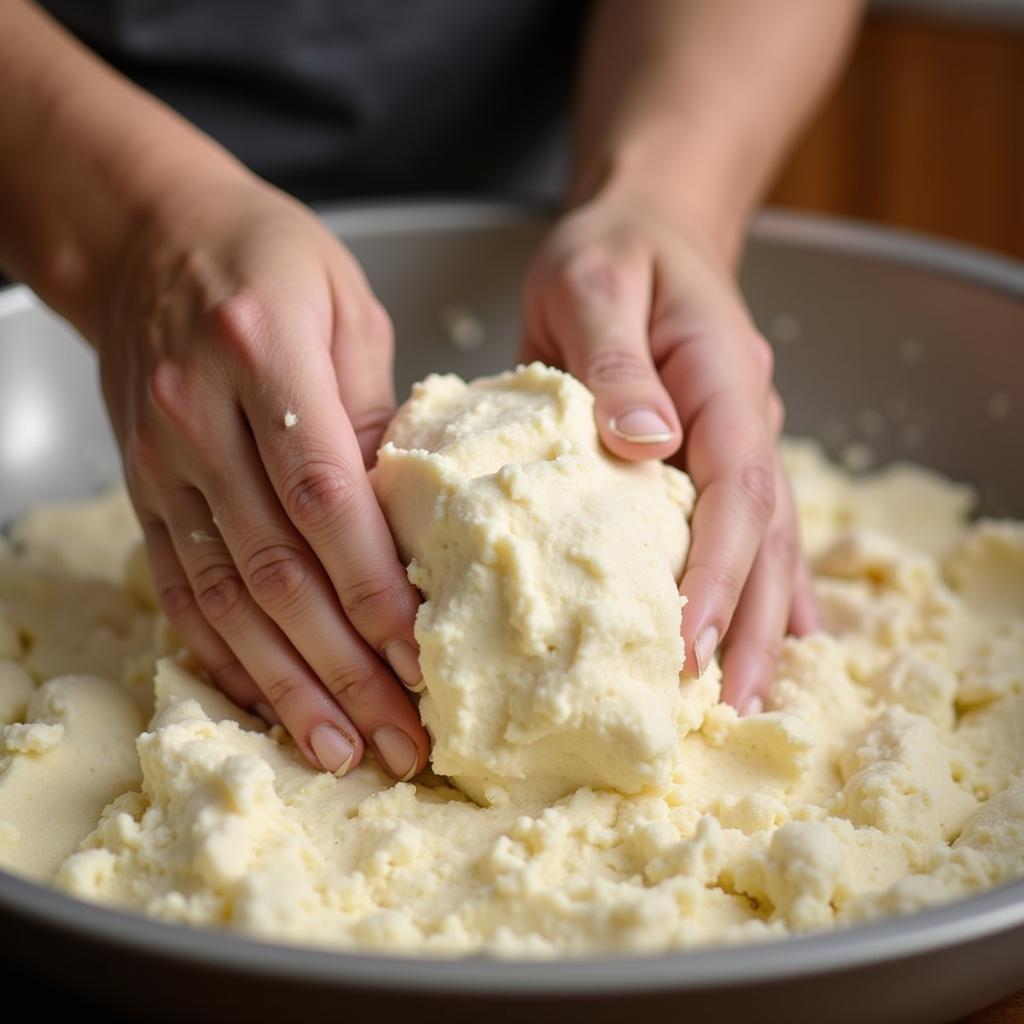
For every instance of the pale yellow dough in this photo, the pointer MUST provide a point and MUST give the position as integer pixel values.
(550, 642)
(610, 806)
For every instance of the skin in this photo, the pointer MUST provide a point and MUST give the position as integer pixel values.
(246, 363)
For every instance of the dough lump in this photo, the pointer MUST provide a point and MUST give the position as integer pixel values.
(549, 637)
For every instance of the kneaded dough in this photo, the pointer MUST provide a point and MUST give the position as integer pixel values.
(886, 774)
(549, 637)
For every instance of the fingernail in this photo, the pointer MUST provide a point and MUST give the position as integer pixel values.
(405, 660)
(397, 751)
(704, 649)
(267, 713)
(332, 748)
(641, 426)
(754, 706)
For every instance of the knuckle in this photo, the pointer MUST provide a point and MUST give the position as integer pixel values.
(148, 519)
(591, 272)
(320, 494)
(757, 485)
(278, 577)
(167, 388)
(375, 327)
(376, 600)
(219, 594)
(197, 266)
(284, 691)
(784, 548)
(374, 420)
(355, 684)
(232, 679)
(237, 323)
(143, 453)
(177, 601)
(766, 655)
(174, 397)
(154, 334)
(720, 584)
(608, 366)
(679, 330)
(135, 482)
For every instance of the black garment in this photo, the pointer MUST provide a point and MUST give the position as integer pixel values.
(347, 98)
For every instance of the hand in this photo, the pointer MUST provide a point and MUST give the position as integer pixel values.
(247, 369)
(643, 312)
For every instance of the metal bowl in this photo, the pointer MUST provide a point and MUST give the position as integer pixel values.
(898, 346)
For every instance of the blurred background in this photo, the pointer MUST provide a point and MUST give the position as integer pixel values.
(926, 127)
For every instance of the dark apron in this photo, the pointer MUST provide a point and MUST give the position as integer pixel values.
(355, 98)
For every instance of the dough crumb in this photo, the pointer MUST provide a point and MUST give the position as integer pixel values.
(465, 330)
(32, 738)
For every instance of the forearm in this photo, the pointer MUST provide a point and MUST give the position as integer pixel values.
(688, 105)
(87, 158)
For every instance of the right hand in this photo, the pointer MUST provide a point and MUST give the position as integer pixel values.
(247, 370)
(638, 305)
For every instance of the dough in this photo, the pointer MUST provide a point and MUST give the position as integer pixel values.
(886, 775)
(548, 657)
(61, 767)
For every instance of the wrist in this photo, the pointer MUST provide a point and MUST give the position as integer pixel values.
(681, 174)
(132, 204)
(86, 179)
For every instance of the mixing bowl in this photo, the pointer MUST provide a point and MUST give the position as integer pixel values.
(888, 346)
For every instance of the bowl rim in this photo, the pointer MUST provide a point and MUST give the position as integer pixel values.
(982, 916)
(977, 917)
(807, 230)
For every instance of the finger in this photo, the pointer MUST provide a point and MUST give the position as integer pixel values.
(804, 616)
(179, 605)
(730, 456)
(363, 355)
(534, 342)
(316, 470)
(290, 586)
(596, 313)
(759, 624)
(324, 733)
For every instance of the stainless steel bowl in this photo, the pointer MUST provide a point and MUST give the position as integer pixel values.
(905, 347)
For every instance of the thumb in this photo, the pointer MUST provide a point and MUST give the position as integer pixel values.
(597, 317)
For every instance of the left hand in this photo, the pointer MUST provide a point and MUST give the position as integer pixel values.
(643, 310)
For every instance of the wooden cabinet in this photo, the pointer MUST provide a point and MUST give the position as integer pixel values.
(925, 130)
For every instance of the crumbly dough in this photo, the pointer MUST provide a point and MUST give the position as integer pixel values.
(886, 775)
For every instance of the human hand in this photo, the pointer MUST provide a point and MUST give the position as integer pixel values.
(644, 313)
(247, 369)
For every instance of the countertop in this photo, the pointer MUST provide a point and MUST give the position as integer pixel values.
(1010, 1011)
